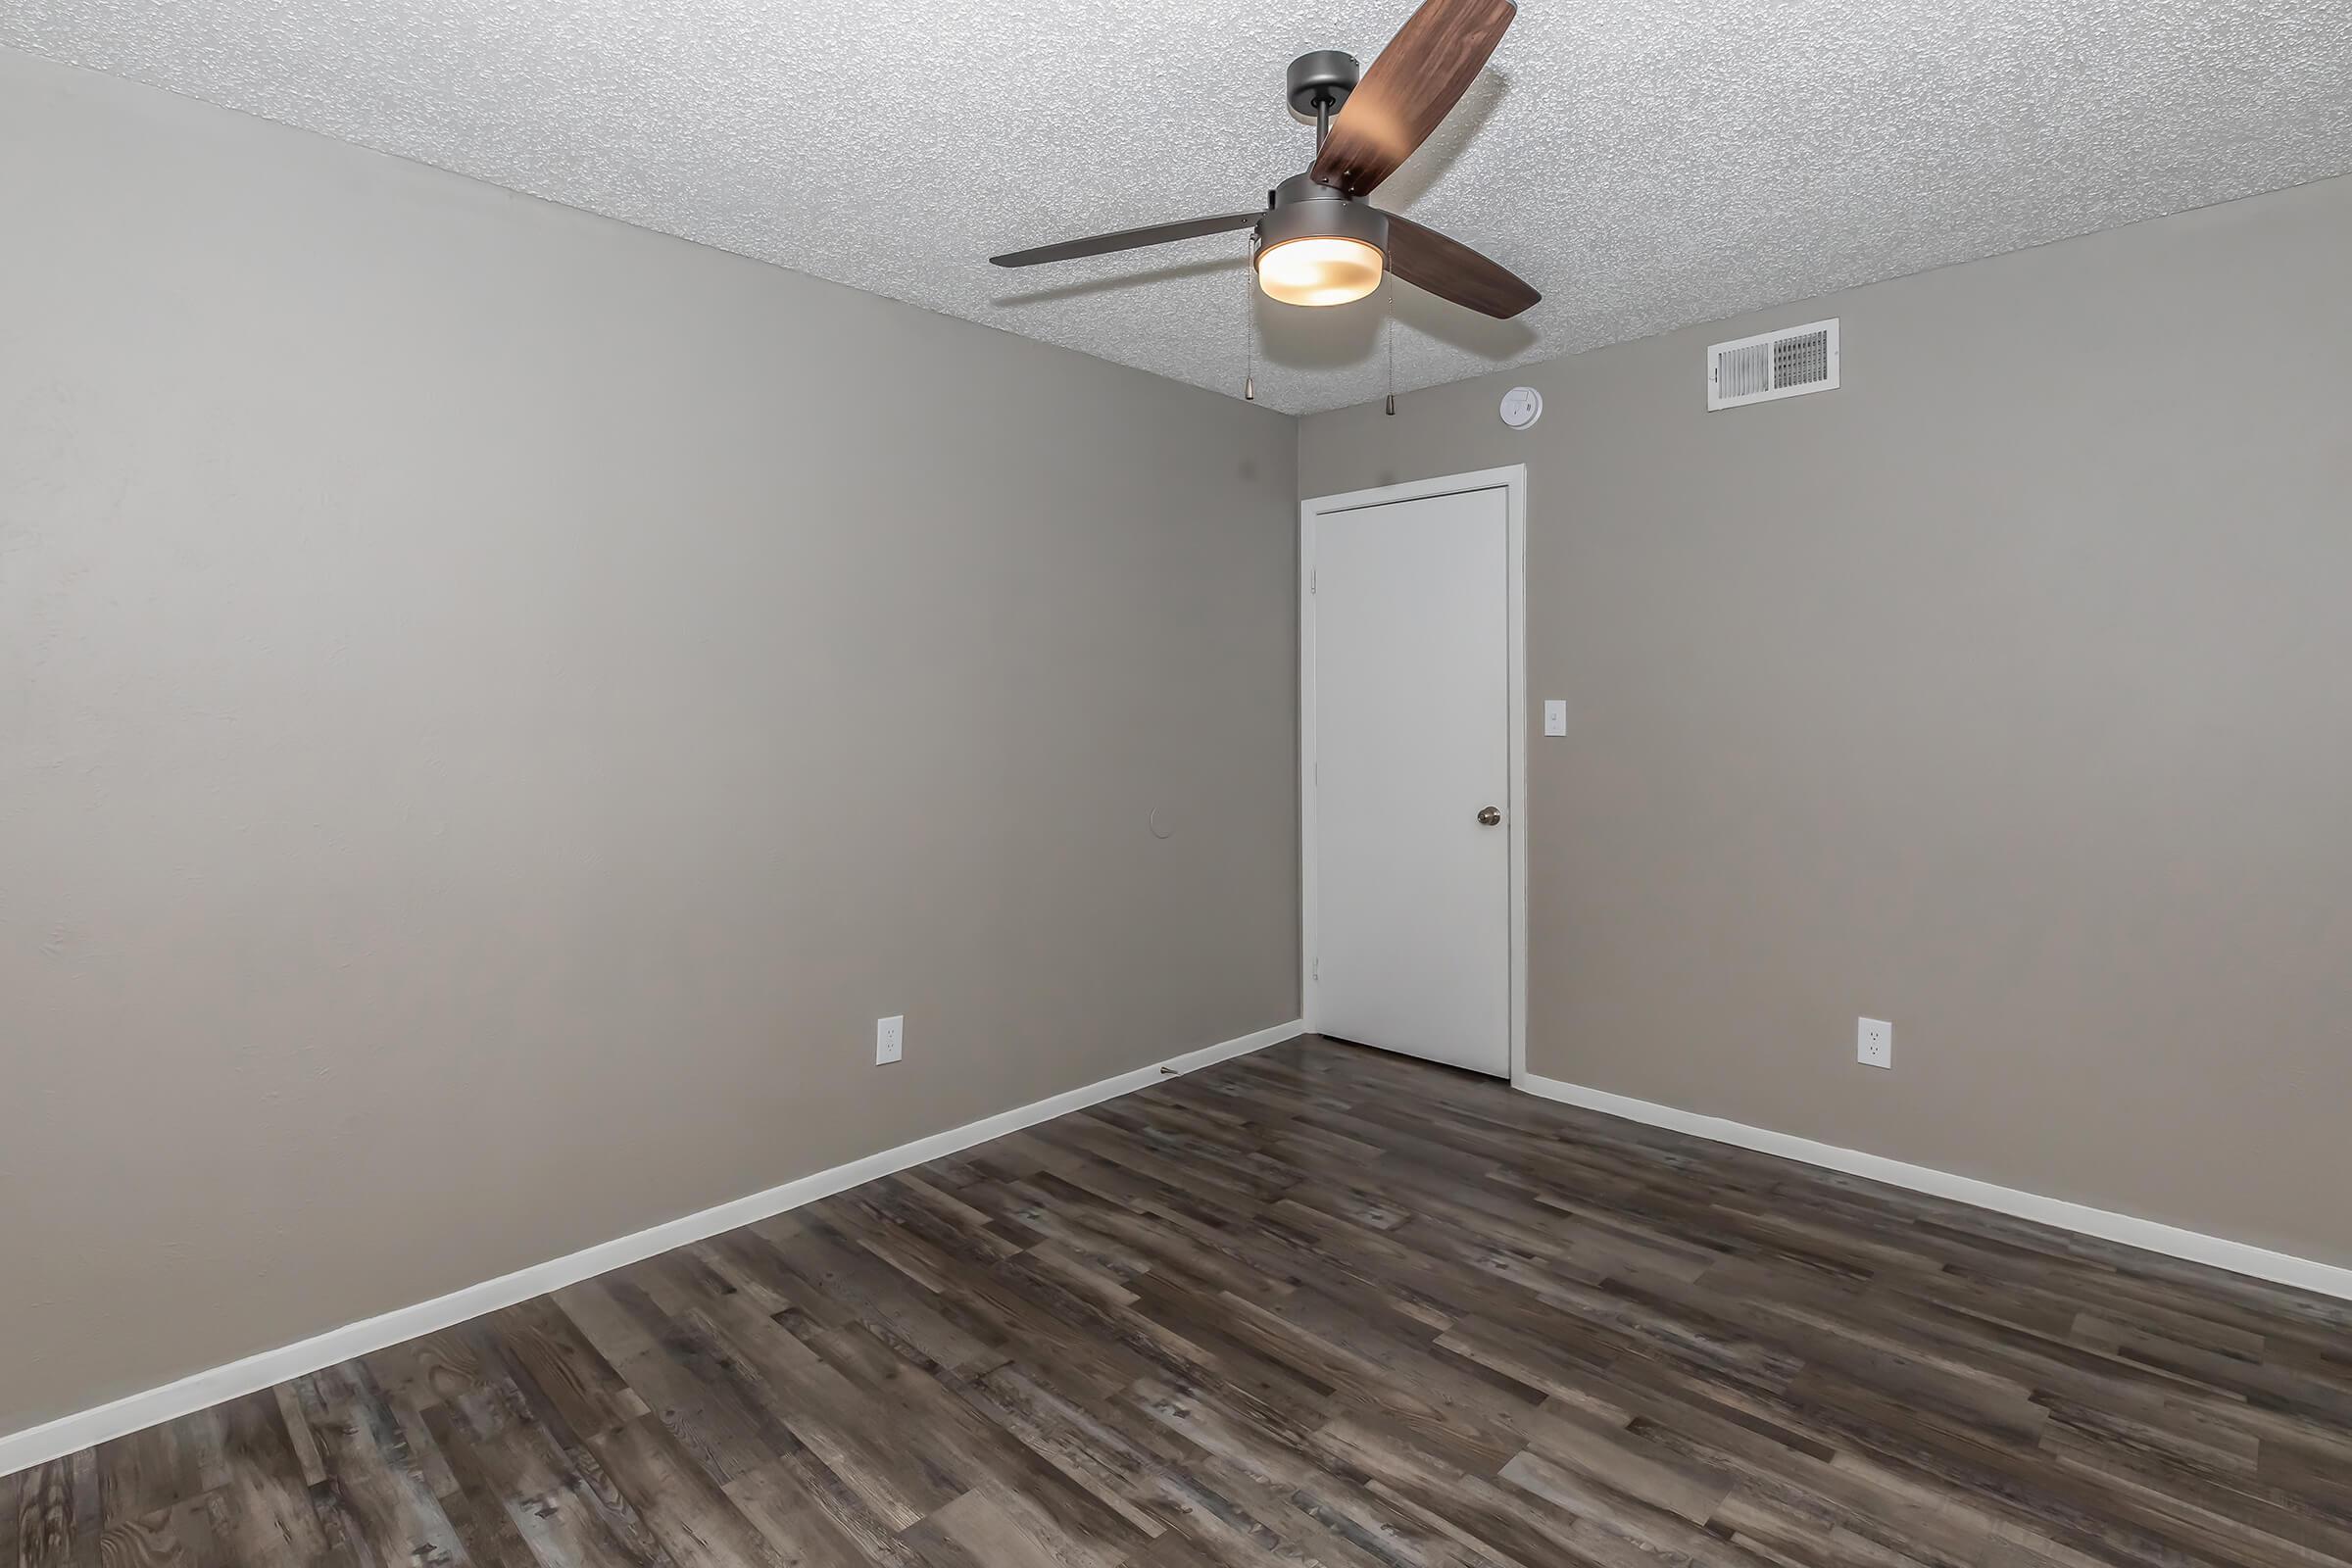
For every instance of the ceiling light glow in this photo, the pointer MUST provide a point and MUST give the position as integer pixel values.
(1319, 270)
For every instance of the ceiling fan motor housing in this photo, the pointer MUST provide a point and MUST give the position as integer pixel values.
(1301, 208)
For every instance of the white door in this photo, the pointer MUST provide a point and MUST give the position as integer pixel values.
(1410, 693)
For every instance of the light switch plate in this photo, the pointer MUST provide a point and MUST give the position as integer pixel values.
(1556, 716)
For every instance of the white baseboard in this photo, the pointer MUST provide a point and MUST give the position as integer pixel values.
(2238, 1257)
(21, 1451)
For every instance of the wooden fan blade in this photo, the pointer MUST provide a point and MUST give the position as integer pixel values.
(1126, 239)
(1452, 270)
(1406, 92)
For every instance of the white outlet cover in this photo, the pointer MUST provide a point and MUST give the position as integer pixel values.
(1874, 1042)
(889, 1040)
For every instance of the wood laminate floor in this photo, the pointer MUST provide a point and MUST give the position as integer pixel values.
(1316, 1306)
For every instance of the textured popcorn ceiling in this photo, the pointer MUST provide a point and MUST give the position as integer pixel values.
(1646, 163)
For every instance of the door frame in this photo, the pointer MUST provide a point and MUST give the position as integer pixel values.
(1512, 481)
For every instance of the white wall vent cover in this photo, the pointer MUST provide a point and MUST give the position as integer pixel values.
(1786, 363)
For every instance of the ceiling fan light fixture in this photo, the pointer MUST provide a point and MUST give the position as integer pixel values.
(1319, 270)
(1321, 249)
(1316, 242)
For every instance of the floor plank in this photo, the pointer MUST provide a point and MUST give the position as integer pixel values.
(1315, 1305)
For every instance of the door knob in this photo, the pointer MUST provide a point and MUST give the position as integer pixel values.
(1490, 816)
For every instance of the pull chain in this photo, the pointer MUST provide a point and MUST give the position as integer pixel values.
(1250, 335)
(1388, 333)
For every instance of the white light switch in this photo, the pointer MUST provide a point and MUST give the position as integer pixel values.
(1556, 716)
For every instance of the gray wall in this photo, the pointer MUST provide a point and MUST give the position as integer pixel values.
(494, 704)
(2001, 693)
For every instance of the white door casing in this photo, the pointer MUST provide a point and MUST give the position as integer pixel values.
(1413, 708)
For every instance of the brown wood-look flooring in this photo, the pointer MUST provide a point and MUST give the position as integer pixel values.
(1317, 1306)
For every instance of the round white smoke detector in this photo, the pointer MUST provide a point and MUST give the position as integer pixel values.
(1522, 406)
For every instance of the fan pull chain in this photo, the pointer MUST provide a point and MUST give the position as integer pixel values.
(1249, 336)
(1388, 334)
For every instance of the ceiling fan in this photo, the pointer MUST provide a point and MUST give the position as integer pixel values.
(1317, 241)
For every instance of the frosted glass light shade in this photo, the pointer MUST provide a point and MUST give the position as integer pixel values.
(1319, 270)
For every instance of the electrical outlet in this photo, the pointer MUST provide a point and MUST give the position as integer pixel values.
(889, 1040)
(1874, 1042)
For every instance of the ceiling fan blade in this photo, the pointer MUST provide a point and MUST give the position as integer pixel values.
(1403, 95)
(1126, 239)
(1452, 270)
